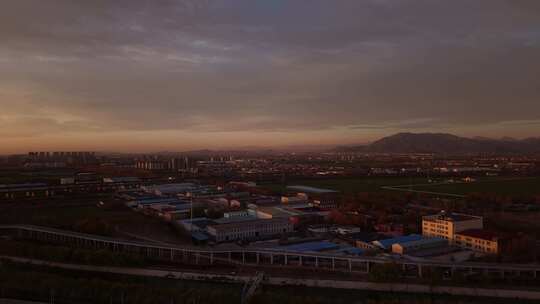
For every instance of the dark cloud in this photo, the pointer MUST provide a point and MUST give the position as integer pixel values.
(287, 66)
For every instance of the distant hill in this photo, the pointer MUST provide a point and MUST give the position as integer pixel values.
(447, 144)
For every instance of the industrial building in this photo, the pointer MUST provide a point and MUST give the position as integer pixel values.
(479, 240)
(170, 189)
(419, 245)
(364, 240)
(249, 229)
(194, 225)
(125, 179)
(318, 197)
(386, 244)
(149, 201)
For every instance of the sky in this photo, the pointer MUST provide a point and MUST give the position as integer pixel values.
(173, 75)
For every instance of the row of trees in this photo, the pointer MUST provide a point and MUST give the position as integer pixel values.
(19, 281)
(68, 255)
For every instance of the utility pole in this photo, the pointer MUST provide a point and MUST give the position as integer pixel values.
(191, 217)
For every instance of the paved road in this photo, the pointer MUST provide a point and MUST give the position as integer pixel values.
(223, 250)
(285, 281)
(422, 192)
(9, 301)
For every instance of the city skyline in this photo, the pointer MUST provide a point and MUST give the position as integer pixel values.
(183, 75)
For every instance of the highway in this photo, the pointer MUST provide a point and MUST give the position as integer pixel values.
(261, 257)
(291, 281)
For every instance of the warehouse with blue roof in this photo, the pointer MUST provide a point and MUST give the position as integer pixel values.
(387, 244)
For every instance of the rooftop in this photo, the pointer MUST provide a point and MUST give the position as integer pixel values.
(387, 243)
(426, 241)
(236, 219)
(366, 237)
(171, 188)
(350, 251)
(199, 236)
(276, 212)
(157, 200)
(434, 251)
(27, 185)
(452, 217)
(200, 222)
(246, 221)
(126, 179)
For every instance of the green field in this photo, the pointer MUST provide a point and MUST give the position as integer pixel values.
(495, 185)
(510, 187)
(34, 176)
(60, 213)
(350, 185)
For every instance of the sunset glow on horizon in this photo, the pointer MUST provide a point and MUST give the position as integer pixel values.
(180, 75)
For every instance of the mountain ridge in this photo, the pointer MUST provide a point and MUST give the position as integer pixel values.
(445, 143)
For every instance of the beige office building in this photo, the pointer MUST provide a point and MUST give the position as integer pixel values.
(447, 225)
(479, 241)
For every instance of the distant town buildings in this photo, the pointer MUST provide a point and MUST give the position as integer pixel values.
(156, 163)
(194, 194)
(59, 159)
(317, 197)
